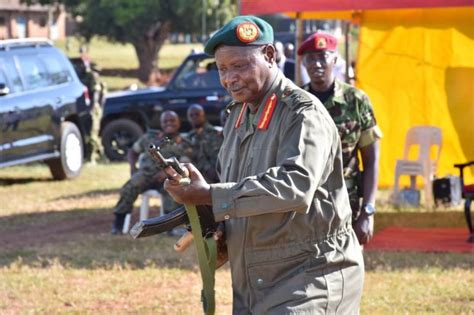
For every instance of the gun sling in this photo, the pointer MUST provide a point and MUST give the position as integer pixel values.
(206, 250)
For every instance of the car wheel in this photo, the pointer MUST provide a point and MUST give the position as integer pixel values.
(118, 136)
(69, 164)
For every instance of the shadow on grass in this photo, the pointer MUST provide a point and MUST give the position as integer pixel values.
(8, 181)
(80, 238)
(92, 194)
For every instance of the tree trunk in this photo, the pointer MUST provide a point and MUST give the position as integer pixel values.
(147, 48)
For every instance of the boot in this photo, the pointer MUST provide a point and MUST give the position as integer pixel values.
(117, 226)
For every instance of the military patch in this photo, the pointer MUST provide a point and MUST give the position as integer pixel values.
(241, 115)
(322, 43)
(247, 32)
(267, 112)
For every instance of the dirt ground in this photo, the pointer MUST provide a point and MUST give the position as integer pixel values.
(28, 235)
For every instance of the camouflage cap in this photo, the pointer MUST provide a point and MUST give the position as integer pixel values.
(244, 30)
(318, 42)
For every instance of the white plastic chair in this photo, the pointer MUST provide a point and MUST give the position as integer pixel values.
(425, 137)
(144, 208)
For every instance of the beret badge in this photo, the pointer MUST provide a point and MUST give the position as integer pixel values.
(247, 32)
(321, 44)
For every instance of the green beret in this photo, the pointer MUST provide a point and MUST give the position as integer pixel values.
(244, 30)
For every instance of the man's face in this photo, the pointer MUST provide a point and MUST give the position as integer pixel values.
(244, 71)
(196, 117)
(319, 66)
(170, 123)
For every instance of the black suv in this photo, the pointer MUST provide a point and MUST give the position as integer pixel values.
(44, 108)
(128, 113)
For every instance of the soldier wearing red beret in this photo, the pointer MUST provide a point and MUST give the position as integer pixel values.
(352, 112)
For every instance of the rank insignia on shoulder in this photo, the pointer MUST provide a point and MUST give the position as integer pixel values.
(267, 112)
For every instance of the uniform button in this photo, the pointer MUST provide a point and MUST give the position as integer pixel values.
(259, 281)
(226, 217)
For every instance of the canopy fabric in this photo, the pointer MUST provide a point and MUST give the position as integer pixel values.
(417, 66)
(272, 7)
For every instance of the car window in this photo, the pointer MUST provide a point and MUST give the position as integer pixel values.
(13, 77)
(58, 71)
(3, 79)
(198, 73)
(34, 72)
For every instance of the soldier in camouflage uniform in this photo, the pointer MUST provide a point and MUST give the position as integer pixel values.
(205, 141)
(148, 175)
(352, 112)
(88, 73)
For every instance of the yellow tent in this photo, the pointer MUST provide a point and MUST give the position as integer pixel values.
(416, 65)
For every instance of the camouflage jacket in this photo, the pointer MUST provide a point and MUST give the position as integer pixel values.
(177, 146)
(351, 110)
(205, 147)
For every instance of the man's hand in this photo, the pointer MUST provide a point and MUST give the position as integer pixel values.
(198, 192)
(160, 177)
(364, 228)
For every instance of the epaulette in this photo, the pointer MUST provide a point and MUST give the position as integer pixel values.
(355, 94)
(231, 106)
(296, 98)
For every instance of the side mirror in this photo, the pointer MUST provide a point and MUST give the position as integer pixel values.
(4, 90)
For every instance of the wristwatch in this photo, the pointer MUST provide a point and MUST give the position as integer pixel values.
(369, 208)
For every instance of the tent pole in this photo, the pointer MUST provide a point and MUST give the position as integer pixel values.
(347, 28)
(299, 40)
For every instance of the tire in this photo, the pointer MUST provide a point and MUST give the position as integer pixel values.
(118, 136)
(70, 163)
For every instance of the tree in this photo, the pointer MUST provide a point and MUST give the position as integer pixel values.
(145, 24)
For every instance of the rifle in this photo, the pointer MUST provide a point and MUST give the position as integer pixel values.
(173, 162)
(171, 220)
(202, 223)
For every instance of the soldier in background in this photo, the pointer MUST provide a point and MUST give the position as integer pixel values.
(89, 74)
(352, 112)
(148, 174)
(205, 141)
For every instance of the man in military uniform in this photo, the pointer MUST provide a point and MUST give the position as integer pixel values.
(205, 141)
(148, 175)
(352, 112)
(282, 197)
(88, 73)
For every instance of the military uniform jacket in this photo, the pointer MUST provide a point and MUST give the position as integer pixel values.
(282, 197)
(205, 148)
(353, 115)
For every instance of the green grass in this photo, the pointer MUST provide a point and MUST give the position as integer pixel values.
(65, 261)
(119, 62)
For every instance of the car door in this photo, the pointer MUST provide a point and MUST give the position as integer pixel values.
(10, 113)
(27, 112)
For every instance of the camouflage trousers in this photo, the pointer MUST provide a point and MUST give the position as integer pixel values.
(93, 143)
(141, 181)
